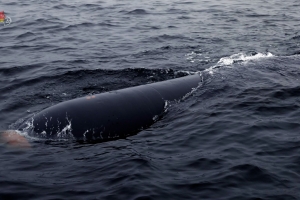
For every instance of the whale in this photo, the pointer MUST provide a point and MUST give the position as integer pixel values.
(108, 115)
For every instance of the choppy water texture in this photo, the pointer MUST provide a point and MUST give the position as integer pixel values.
(236, 137)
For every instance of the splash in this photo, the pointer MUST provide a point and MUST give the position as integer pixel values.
(199, 56)
(166, 106)
(66, 132)
(238, 58)
(194, 89)
(25, 128)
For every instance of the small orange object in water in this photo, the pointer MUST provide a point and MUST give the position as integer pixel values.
(2, 16)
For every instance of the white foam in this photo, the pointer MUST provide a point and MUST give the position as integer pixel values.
(242, 57)
(239, 57)
(26, 135)
(198, 57)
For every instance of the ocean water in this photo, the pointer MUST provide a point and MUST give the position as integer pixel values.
(236, 137)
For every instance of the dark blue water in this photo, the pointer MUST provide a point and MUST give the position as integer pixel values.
(236, 137)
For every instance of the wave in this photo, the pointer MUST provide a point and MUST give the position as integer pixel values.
(137, 12)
